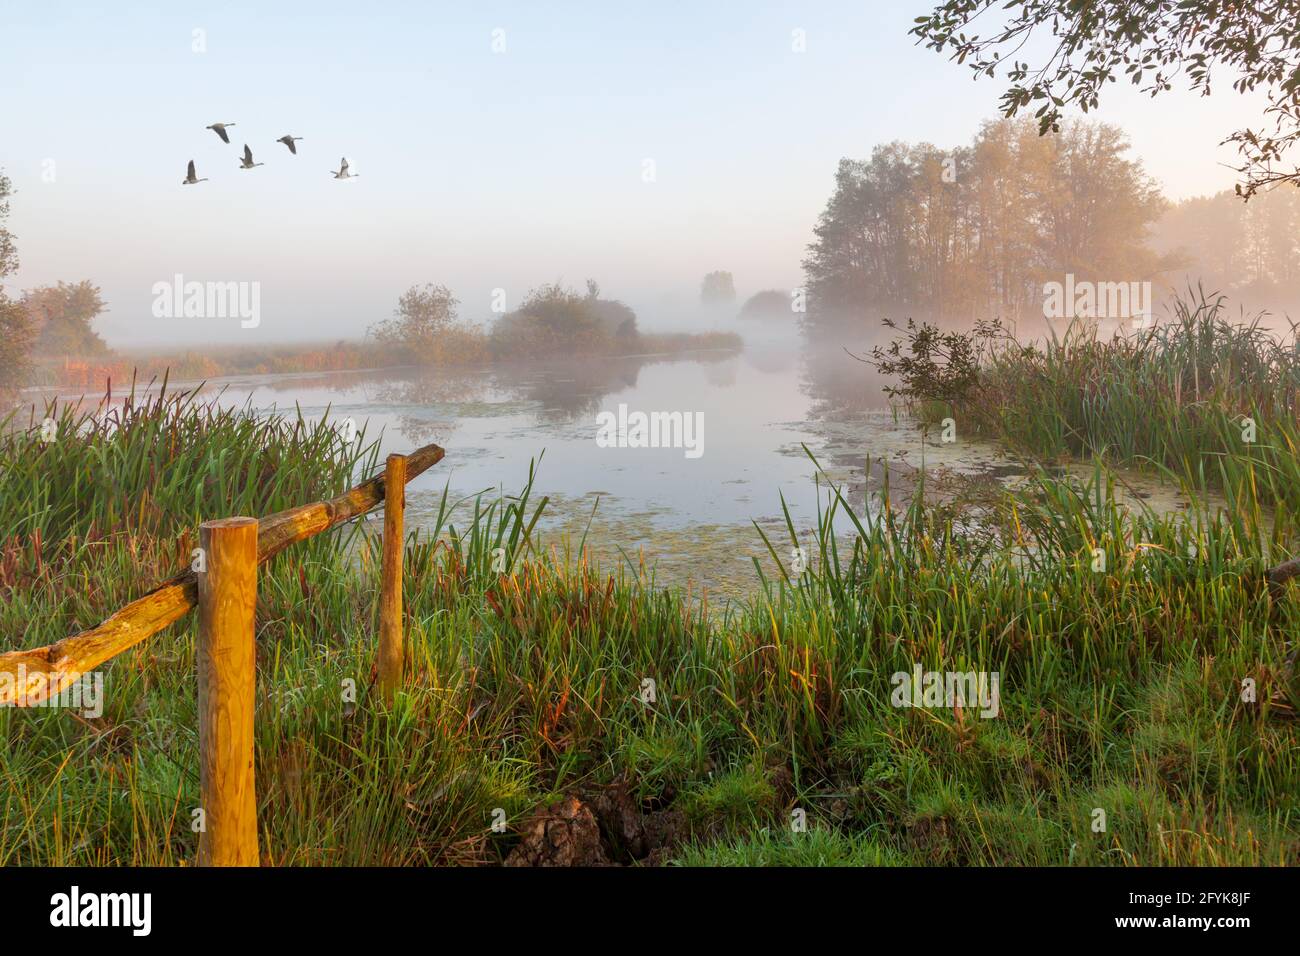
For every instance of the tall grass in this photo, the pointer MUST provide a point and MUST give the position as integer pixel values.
(1121, 690)
(100, 501)
(154, 461)
(1212, 402)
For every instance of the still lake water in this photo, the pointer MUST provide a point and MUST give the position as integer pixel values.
(688, 519)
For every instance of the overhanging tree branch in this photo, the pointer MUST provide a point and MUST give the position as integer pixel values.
(1151, 43)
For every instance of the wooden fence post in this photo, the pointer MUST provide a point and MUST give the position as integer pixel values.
(390, 598)
(227, 680)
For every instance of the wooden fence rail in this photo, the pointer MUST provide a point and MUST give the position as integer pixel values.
(224, 590)
(47, 670)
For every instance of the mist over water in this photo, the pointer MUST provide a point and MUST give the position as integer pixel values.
(763, 410)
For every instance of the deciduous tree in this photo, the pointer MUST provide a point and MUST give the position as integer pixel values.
(62, 315)
(16, 333)
(718, 288)
(974, 232)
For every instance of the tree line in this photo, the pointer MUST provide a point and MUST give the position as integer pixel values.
(1250, 251)
(957, 235)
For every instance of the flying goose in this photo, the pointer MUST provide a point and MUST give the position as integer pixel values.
(247, 161)
(220, 130)
(343, 170)
(289, 141)
(189, 179)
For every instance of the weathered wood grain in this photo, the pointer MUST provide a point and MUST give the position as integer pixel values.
(391, 652)
(227, 672)
(31, 676)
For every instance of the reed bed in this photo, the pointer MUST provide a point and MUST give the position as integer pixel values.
(1209, 401)
(1121, 688)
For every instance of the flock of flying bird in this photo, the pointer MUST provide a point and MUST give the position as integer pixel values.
(247, 161)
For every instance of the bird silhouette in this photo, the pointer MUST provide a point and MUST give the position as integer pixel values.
(189, 179)
(247, 161)
(289, 141)
(220, 130)
(343, 170)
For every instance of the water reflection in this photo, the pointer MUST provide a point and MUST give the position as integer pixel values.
(840, 385)
(691, 516)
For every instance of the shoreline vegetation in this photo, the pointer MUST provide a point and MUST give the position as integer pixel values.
(1198, 399)
(425, 330)
(1147, 692)
(195, 365)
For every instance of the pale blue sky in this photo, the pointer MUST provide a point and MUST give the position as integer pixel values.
(478, 169)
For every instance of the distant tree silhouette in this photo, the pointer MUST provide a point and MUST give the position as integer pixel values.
(718, 288)
(974, 232)
(552, 320)
(1250, 251)
(618, 319)
(425, 328)
(62, 315)
(16, 332)
(767, 304)
(8, 252)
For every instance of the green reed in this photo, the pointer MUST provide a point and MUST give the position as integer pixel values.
(1121, 681)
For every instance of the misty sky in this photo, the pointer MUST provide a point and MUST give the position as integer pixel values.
(478, 169)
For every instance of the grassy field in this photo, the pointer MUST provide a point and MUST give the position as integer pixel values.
(1123, 642)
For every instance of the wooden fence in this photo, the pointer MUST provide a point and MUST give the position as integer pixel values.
(222, 585)
(224, 590)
